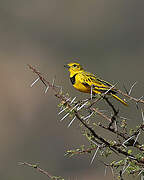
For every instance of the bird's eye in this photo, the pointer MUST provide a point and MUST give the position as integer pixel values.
(74, 65)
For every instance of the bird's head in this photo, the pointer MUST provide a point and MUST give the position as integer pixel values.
(74, 67)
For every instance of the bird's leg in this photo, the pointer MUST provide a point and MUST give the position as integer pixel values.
(91, 94)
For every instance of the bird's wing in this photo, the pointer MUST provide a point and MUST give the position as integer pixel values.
(88, 79)
(91, 79)
(104, 82)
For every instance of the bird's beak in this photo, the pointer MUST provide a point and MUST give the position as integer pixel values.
(66, 66)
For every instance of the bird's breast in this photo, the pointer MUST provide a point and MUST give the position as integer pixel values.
(78, 84)
(81, 87)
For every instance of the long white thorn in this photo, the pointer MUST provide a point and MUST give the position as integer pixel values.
(112, 171)
(46, 89)
(124, 165)
(127, 140)
(110, 88)
(140, 98)
(71, 122)
(94, 155)
(64, 117)
(142, 113)
(94, 142)
(72, 100)
(69, 112)
(68, 99)
(53, 82)
(132, 88)
(136, 138)
(131, 157)
(115, 124)
(82, 106)
(74, 107)
(121, 117)
(87, 117)
(142, 177)
(140, 172)
(105, 171)
(85, 100)
(125, 169)
(62, 110)
(34, 82)
(138, 101)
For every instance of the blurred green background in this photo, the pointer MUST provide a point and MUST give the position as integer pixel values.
(107, 36)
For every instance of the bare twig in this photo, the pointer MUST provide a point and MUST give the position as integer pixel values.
(130, 97)
(41, 170)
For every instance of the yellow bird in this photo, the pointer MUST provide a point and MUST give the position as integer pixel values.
(87, 82)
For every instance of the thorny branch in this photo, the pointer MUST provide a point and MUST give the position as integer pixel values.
(137, 100)
(73, 107)
(41, 170)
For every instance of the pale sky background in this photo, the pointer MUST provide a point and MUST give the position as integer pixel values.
(107, 36)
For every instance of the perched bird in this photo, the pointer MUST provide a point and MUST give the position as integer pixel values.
(87, 82)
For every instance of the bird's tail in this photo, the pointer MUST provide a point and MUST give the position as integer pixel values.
(120, 100)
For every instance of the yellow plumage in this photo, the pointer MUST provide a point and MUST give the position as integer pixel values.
(84, 81)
